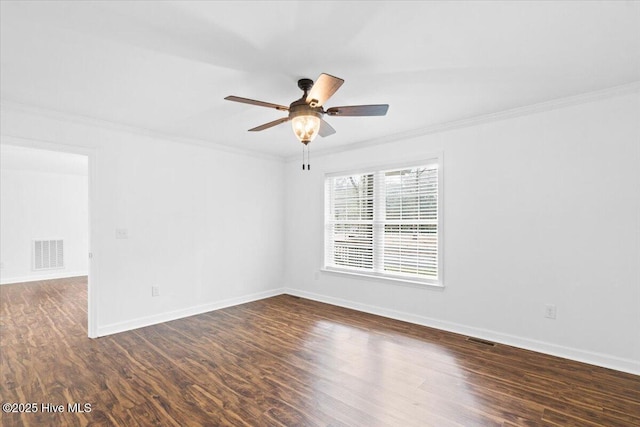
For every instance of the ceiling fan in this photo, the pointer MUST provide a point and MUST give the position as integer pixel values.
(306, 113)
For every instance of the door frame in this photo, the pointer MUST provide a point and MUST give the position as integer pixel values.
(91, 154)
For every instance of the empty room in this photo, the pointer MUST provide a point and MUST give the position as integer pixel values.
(319, 213)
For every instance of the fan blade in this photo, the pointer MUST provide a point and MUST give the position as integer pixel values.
(254, 102)
(322, 89)
(359, 110)
(269, 125)
(325, 129)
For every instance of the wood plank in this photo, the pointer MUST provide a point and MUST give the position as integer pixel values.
(285, 361)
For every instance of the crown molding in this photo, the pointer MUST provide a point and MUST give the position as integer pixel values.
(399, 136)
(540, 107)
(6, 105)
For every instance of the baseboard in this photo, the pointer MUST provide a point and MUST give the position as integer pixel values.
(597, 359)
(592, 358)
(39, 277)
(179, 314)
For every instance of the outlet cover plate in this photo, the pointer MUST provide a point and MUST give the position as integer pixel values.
(550, 311)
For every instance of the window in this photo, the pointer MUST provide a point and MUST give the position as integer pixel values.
(385, 223)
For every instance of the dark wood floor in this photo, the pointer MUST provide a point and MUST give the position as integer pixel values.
(285, 361)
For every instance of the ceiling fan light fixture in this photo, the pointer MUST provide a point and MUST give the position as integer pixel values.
(306, 127)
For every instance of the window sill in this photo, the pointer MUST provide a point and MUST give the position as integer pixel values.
(387, 279)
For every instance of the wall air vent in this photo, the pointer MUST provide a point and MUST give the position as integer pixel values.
(47, 254)
(479, 341)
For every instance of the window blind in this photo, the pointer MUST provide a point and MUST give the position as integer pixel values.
(384, 223)
(410, 243)
(351, 221)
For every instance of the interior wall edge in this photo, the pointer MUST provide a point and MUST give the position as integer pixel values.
(141, 322)
(602, 360)
(525, 110)
(7, 105)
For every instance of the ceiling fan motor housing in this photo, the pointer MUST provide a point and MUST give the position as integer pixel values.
(301, 108)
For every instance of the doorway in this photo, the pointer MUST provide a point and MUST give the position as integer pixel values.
(45, 216)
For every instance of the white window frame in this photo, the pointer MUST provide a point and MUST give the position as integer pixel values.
(379, 222)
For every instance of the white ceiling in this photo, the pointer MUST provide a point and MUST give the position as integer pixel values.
(166, 66)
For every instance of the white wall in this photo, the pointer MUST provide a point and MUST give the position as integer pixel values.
(539, 209)
(42, 205)
(204, 224)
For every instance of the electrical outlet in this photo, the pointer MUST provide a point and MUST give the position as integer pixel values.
(550, 311)
(155, 291)
(122, 233)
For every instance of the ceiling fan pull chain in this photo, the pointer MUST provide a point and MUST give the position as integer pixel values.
(303, 157)
(308, 161)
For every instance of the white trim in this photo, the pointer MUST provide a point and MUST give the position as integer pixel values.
(42, 144)
(434, 160)
(40, 277)
(141, 322)
(92, 282)
(597, 359)
(396, 280)
(119, 127)
(540, 107)
(435, 128)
